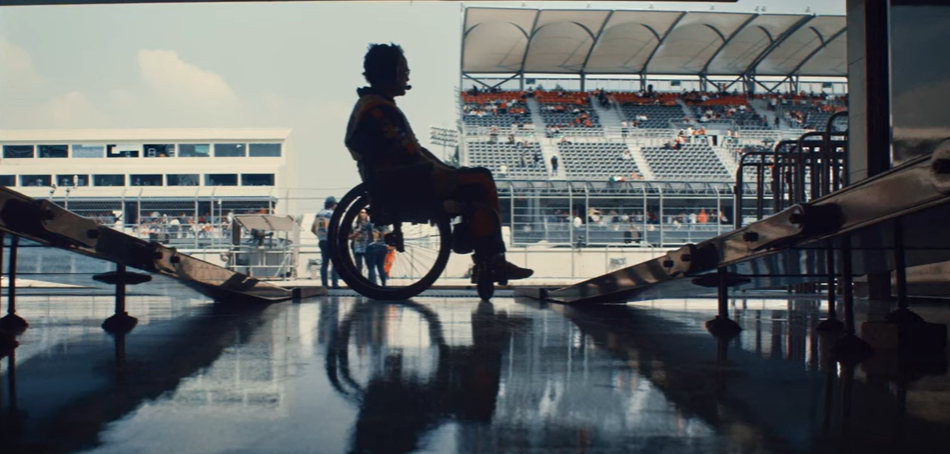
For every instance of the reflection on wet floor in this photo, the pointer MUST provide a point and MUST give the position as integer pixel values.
(446, 375)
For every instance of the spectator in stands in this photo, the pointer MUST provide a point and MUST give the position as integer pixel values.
(623, 129)
(701, 217)
(503, 170)
(626, 156)
(378, 137)
(554, 162)
(493, 134)
(511, 139)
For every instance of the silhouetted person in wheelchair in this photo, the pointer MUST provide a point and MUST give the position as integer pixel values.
(378, 137)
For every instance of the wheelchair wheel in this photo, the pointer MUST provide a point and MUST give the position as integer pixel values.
(422, 252)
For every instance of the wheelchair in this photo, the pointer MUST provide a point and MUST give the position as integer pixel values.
(420, 236)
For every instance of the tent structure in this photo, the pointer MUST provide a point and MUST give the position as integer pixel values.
(622, 42)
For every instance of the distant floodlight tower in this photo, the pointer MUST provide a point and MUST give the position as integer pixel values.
(447, 137)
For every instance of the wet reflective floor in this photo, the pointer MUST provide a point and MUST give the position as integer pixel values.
(455, 375)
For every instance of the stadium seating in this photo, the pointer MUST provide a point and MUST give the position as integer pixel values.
(558, 109)
(493, 155)
(658, 116)
(692, 162)
(732, 108)
(596, 161)
(482, 103)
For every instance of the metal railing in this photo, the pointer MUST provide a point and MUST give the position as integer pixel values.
(795, 171)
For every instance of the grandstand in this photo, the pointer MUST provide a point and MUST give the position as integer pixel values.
(509, 160)
(635, 121)
(691, 162)
(597, 161)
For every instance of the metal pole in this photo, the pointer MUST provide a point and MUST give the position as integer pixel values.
(723, 294)
(570, 223)
(847, 290)
(718, 213)
(646, 218)
(586, 210)
(120, 289)
(661, 220)
(11, 273)
(830, 265)
(900, 264)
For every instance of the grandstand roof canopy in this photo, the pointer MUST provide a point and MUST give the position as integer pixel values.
(624, 42)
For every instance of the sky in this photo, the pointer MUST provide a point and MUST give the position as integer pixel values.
(225, 65)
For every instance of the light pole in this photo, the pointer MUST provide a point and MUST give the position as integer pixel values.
(443, 136)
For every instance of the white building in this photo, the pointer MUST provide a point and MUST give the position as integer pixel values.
(136, 173)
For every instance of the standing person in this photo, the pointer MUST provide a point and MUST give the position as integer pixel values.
(362, 236)
(554, 165)
(321, 224)
(376, 252)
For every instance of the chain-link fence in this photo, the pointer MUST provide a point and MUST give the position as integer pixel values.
(559, 213)
(648, 214)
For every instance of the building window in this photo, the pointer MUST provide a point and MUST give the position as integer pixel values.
(221, 179)
(257, 179)
(122, 151)
(187, 179)
(108, 180)
(191, 150)
(230, 150)
(88, 151)
(7, 180)
(53, 151)
(17, 151)
(145, 180)
(72, 180)
(166, 150)
(264, 150)
(35, 180)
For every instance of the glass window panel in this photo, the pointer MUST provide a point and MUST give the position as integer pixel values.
(17, 151)
(257, 179)
(53, 151)
(230, 150)
(188, 179)
(35, 180)
(193, 150)
(88, 151)
(108, 180)
(162, 150)
(221, 179)
(261, 150)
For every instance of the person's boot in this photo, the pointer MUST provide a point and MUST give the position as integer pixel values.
(504, 270)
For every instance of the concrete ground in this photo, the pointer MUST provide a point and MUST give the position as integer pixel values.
(446, 373)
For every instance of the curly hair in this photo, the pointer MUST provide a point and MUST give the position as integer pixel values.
(380, 63)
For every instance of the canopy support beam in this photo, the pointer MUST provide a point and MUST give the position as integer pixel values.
(726, 42)
(778, 42)
(823, 45)
(527, 48)
(600, 32)
(646, 64)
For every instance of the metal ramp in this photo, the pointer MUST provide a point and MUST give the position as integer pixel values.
(892, 221)
(47, 224)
